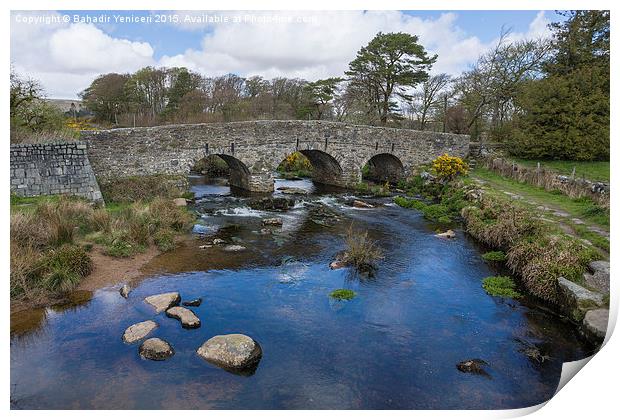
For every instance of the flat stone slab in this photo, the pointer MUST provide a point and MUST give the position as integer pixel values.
(599, 279)
(187, 317)
(232, 351)
(156, 349)
(595, 322)
(163, 301)
(137, 332)
(579, 295)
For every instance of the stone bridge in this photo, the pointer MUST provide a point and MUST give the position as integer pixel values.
(254, 149)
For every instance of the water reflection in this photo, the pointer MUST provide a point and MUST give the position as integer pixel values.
(395, 345)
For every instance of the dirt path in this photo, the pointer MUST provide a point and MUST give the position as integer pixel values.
(567, 222)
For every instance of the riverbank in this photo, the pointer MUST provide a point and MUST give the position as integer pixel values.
(560, 268)
(63, 244)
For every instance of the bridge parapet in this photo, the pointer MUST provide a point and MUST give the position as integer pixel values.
(254, 149)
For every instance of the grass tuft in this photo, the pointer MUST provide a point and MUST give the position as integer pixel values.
(500, 286)
(342, 294)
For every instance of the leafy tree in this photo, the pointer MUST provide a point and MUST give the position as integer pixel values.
(389, 66)
(581, 40)
(565, 115)
(183, 82)
(106, 96)
(321, 93)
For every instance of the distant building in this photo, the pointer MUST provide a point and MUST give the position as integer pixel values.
(70, 107)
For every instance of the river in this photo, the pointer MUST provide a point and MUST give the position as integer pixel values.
(394, 346)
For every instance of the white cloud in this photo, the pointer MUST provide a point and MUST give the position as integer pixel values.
(66, 57)
(321, 48)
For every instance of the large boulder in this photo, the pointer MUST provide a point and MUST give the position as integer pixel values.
(138, 331)
(595, 323)
(163, 301)
(232, 351)
(578, 295)
(156, 349)
(187, 317)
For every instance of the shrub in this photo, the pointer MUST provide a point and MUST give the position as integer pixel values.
(494, 256)
(24, 276)
(542, 260)
(449, 167)
(166, 214)
(361, 252)
(164, 239)
(500, 223)
(142, 188)
(342, 294)
(64, 267)
(500, 286)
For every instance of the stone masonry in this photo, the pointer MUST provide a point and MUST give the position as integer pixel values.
(52, 168)
(254, 149)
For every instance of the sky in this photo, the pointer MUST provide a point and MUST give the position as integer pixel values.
(66, 50)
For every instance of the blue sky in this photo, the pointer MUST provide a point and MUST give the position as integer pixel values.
(68, 55)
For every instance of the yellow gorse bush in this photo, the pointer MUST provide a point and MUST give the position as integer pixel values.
(449, 167)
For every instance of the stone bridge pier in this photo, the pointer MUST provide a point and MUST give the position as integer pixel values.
(254, 149)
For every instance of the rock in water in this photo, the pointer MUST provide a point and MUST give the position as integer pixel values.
(187, 317)
(155, 349)
(232, 351)
(335, 265)
(272, 203)
(449, 234)
(362, 204)
(163, 301)
(137, 332)
(595, 323)
(274, 221)
(194, 302)
(292, 190)
(234, 248)
(472, 366)
(124, 291)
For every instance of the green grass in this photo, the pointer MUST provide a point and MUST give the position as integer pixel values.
(593, 171)
(25, 202)
(500, 286)
(582, 208)
(342, 294)
(494, 256)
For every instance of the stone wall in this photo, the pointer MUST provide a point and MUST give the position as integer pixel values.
(52, 168)
(254, 149)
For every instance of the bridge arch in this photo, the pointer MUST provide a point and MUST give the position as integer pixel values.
(327, 170)
(239, 173)
(384, 167)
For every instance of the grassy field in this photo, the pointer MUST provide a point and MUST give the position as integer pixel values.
(582, 208)
(593, 171)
